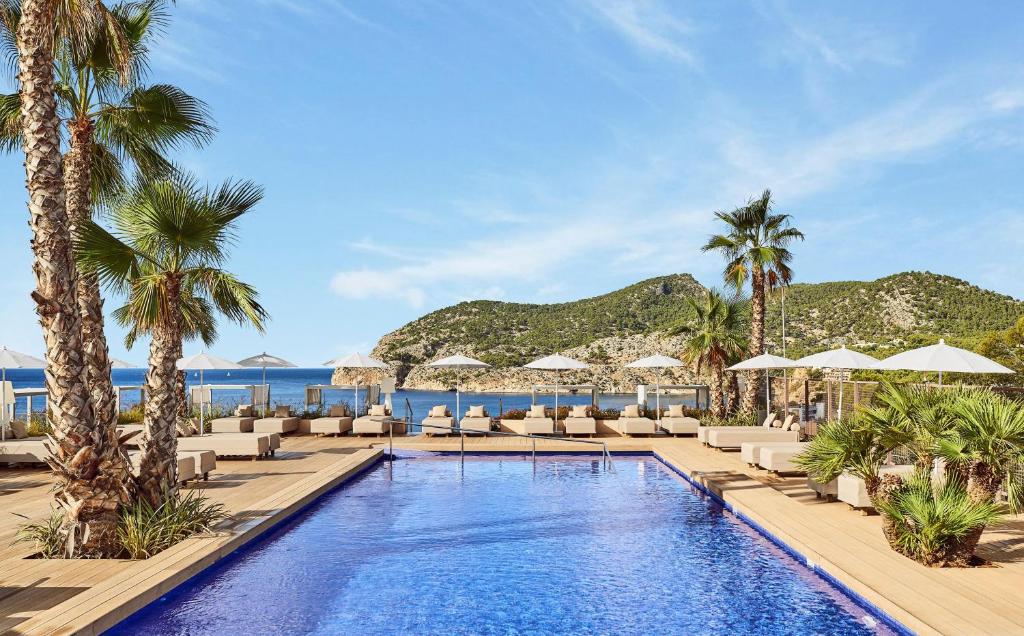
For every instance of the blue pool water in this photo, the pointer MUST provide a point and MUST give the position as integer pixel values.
(501, 545)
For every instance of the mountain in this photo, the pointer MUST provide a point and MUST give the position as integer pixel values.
(885, 315)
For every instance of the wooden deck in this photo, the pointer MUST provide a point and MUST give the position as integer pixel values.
(44, 597)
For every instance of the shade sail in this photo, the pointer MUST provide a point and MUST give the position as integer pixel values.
(266, 361)
(841, 358)
(355, 361)
(656, 362)
(942, 357)
(764, 361)
(557, 362)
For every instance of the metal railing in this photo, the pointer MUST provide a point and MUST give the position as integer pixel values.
(606, 456)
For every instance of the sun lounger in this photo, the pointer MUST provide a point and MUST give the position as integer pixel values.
(186, 465)
(253, 445)
(476, 421)
(336, 422)
(674, 422)
(630, 422)
(703, 431)
(734, 438)
(829, 491)
(29, 450)
(378, 422)
(779, 459)
(750, 452)
(205, 462)
(536, 422)
(241, 422)
(579, 423)
(281, 422)
(851, 489)
(438, 422)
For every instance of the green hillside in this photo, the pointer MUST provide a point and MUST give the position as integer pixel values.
(896, 312)
(508, 334)
(885, 315)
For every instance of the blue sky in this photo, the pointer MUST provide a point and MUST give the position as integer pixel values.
(416, 154)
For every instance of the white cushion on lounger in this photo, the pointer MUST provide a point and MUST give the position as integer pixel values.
(337, 410)
(438, 411)
(377, 409)
(675, 410)
(537, 410)
(631, 410)
(283, 410)
(476, 411)
(579, 411)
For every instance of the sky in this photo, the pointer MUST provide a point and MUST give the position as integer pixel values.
(416, 154)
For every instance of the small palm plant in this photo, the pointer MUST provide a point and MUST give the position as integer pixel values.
(715, 337)
(936, 523)
(845, 445)
(166, 254)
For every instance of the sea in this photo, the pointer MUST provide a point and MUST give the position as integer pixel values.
(288, 386)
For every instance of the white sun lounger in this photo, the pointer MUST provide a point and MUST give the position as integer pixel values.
(253, 445)
(734, 438)
(240, 422)
(630, 422)
(750, 452)
(438, 422)
(579, 423)
(829, 491)
(679, 425)
(281, 422)
(536, 422)
(29, 450)
(377, 422)
(779, 459)
(769, 422)
(851, 489)
(336, 422)
(476, 422)
(186, 465)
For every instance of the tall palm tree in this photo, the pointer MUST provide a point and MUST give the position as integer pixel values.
(111, 120)
(756, 248)
(90, 471)
(715, 337)
(165, 254)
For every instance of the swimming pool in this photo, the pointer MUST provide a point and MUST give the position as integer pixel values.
(505, 545)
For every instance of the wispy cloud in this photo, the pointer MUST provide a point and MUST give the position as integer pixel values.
(647, 25)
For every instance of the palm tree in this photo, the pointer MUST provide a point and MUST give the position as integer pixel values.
(715, 337)
(756, 247)
(91, 480)
(165, 254)
(111, 120)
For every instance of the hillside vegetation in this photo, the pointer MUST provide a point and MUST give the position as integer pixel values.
(882, 316)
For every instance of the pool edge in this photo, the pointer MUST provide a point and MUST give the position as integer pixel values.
(857, 598)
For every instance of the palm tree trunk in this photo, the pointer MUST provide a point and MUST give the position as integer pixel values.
(734, 393)
(78, 190)
(757, 308)
(85, 487)
(717, 382)
(158, 468)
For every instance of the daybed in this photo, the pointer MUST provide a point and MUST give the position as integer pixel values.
(281, 422)
(579, 423)
(674, 422)
(336, 422)
(241, 422)
(377, 422)
(476, 421)
(630, 422)
(438, 422)
(851, 489)
(536, 422)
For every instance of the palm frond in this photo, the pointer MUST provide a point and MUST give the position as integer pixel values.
(98, 251)
(10, 122)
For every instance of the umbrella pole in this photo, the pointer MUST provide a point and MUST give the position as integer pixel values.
(3, 406)
(657, 395)
(458, 405)
(839, 414)
(558, 375)
(202, 426)
(767, 394)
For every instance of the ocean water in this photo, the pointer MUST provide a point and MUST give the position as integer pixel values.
(288, 386)
(501, 545)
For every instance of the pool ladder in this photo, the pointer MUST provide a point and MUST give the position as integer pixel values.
(606, 456)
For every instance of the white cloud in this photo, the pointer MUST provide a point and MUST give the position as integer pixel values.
(647, 25)
(1006, 100)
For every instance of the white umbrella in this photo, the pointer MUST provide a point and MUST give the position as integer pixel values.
(355, 361)
(942, 357)
(116, 363)
(458, 362)
(765, 361)
(841, 358)
(12, 360)
(201, 362)
(558, 363)
(660, 363)
(265, 361)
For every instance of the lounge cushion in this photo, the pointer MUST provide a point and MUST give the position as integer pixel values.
(377, 409)
(337, 410)
(537, 410)
(244, 410)
(675, 410)
(631, 410)
(20, 429)
(579, 411)
(476, 411)
(438, 411)
(283, 410)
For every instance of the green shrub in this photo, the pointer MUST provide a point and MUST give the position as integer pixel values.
(938, 523)
(133, 415)
(145, 531)
(514, 414)
(49, 536)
